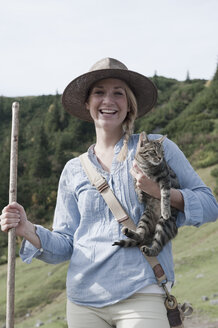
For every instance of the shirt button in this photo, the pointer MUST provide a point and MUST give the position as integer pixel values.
(41, 250)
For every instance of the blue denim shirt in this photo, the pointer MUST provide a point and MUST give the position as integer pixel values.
(84, 228)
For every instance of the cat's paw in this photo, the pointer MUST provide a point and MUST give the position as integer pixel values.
(120, 243)
(149, 251)
(131, 234)
(125, 230)
(126, 243)
(144, 249)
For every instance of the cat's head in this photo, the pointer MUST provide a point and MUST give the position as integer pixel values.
(150, 151)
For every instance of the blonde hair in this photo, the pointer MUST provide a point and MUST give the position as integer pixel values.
(128, 123)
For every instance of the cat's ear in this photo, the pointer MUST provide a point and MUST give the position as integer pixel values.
(161, 140)
(143, 137)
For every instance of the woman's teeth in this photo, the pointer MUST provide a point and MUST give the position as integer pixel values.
(107, 111)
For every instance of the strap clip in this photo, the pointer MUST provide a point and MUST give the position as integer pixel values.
(122, 219)
(101, 184)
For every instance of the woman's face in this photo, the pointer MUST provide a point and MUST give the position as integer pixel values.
(107, 103)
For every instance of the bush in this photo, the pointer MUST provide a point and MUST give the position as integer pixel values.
(214, 172)
(209, 158)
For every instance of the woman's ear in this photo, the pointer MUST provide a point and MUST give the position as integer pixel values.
(87, 105)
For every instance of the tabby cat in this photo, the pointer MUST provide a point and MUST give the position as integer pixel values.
(157, 224)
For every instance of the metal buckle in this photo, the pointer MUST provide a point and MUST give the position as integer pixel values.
(170, 299)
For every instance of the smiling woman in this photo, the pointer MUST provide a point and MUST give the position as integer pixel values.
(110, 286)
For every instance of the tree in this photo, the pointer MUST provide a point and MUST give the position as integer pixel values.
(215, 78)
(40, 164)
(187, 77)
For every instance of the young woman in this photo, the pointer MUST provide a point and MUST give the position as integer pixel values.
(110, 286)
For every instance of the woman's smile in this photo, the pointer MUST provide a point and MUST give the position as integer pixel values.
(107, 111)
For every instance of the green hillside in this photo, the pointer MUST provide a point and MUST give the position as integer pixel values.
(186, 111)
(39, 294)
(196, 263)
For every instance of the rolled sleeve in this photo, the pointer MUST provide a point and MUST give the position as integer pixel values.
(55, 247)
(28, 251)
(200, 206)
(193, 211)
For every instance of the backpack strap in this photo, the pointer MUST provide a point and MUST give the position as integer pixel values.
(119, 213)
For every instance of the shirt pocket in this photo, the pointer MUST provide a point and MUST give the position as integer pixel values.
(91, 205)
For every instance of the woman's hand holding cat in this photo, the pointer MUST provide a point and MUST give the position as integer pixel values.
(144, 183)
(153, 189)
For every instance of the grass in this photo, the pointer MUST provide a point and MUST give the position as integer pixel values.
(207, 177)
(196, 262)
(52, 315)
(39, 293)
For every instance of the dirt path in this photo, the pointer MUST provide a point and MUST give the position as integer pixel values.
(199, 322)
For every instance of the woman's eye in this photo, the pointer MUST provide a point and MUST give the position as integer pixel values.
(119, 93)
(98, 92)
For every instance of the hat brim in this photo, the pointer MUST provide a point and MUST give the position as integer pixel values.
(76, 92)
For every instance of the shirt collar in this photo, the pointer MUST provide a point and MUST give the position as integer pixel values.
(94, 159)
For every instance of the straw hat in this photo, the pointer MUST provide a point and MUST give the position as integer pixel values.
(75, 94)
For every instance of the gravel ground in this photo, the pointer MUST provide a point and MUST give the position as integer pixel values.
(199, 322)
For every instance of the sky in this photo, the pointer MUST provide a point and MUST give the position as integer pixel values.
(44, 44)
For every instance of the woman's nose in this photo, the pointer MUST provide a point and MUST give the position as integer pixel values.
(107, 99)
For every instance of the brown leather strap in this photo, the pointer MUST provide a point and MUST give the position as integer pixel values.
(119, 213)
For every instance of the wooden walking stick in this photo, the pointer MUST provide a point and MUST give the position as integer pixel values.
(11, 233)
